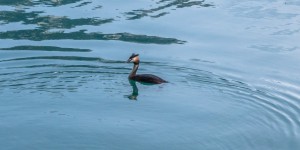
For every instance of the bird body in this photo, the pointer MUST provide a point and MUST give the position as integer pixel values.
(148, 78)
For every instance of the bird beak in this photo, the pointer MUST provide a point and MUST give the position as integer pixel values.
(129, 60)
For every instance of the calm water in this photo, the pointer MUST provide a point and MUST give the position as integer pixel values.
(233, 69)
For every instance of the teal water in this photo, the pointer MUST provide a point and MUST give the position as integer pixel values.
(233, 70)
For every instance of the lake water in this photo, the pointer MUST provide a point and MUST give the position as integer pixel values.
(233, 70)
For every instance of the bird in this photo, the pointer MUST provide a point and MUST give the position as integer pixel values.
(144, 78)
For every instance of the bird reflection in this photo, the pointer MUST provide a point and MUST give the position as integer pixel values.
(135, 90)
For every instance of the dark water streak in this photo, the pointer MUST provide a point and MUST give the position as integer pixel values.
(140, 13)
(44, 48)
(40, 35)
(48, 22)
(52, 3)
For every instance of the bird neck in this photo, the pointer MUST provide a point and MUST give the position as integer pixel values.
(134, 70)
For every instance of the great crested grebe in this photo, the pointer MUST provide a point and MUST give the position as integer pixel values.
(146, 78)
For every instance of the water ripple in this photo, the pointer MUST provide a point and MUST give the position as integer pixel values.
(272, 48)
(277, 105)
(281, 109)
(55, 78)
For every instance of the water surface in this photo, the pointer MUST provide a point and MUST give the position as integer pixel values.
(232, 68)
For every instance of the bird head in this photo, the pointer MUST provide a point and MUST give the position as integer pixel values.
(134, 58)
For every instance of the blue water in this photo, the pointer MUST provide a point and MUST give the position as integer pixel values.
(233, 70)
